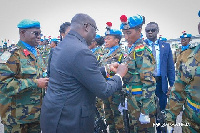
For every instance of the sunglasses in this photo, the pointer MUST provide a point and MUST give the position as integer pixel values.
(96, 29)
(36, 33)
(152, 30)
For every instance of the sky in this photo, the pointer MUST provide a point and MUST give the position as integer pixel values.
(172, 16)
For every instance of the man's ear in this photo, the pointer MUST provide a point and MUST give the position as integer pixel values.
(86, 27)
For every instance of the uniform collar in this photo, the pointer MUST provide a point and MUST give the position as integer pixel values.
(32, 49)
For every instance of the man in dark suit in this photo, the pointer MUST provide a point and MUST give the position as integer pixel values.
(164, 71)
(75, 81)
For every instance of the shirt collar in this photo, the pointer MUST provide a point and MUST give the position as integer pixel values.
(151, 42)
(32, 49)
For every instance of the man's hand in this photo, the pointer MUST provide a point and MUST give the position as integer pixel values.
(113, 67)
(169, 90)
(122, 69)
(43, 82)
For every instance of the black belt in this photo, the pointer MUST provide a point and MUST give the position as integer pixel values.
(157, 77)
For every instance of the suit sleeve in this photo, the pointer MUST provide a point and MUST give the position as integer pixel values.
(170, 68)
(88, 73)
(10, 81)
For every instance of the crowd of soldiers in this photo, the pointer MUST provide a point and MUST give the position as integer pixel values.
(134, 109)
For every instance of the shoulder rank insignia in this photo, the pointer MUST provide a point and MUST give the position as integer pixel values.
(5, 56)
(139, 48)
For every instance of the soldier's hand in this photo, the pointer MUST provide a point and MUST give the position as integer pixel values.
(113, 67)
(122, 69)
(43, 82)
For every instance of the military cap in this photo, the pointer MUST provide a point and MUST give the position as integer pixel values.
(110, 31)
(163, 39)
(54, 39)
(185, 35)
(131, 22)
(41, 40)
(27, 23)
(199, 13)
(97, 36)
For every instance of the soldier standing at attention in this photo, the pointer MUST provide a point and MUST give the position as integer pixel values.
(21, 82)
(185, 44)
(186, 91)
(115, 54)
(139, 81)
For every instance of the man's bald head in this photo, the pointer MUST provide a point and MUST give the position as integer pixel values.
(85, 26)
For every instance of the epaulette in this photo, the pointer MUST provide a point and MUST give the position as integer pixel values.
(140, 48)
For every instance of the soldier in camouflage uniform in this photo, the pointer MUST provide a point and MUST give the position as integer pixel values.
(96, 47)
(139, 81)
(185, 42)
(186, 91)
(115, 54)
(21, 82)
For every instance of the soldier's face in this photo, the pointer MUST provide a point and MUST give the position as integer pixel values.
(111, 41)
(185, 41)
(131, 35)
(32, 36)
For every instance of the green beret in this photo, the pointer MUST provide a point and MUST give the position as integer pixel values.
(27, 23)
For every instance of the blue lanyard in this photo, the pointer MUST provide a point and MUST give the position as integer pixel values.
(112, 49)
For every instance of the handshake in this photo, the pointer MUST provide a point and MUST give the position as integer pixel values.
(120, 69)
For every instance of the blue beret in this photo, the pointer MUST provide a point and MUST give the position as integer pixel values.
(97, 36)
(54, 39)
(163, 39)
(113, 32)
(27, 23)
(199, 13)
(41, 40)
(185, 35)
(132, 21)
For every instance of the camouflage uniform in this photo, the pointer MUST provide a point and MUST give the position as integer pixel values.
(140, 86)
(45, 54)
(112, 114)
(20, 98)
(176, 54)
(186, 91)
(98, 53)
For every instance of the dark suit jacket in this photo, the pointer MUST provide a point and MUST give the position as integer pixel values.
(75, 81)
(167, 68)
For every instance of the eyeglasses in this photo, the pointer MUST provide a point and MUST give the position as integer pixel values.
(36, 33)
(152, 30)
(96, 29)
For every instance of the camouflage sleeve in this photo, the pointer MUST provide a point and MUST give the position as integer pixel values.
(10, 81)
(146, 64)
(176, 100)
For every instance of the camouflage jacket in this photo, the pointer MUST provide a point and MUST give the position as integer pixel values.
(139, 79)
(186, 90)
(98, 53)
(20, 98)
(116, 56)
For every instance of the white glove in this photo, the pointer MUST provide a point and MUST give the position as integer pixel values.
(144, 119)
(170, 129)
(121, 108)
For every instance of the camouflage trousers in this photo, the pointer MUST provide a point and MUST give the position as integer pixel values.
(191, 120)
(113, 117)
(23, 128)
(134, 109)
(100, 106)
